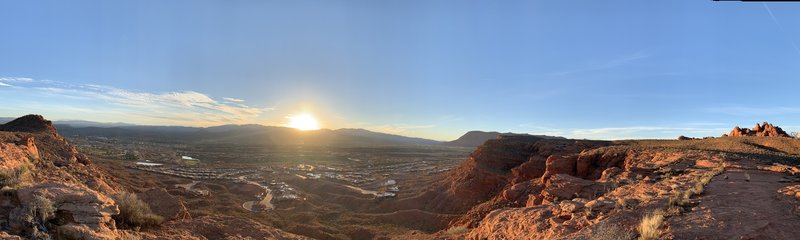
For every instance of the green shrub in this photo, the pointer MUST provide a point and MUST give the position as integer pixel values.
(133, 212)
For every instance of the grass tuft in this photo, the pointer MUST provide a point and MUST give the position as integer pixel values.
(648, 228)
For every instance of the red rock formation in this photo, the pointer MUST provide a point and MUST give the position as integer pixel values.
(559, 165)
(30, 124)
(763, 130)
(500, 163)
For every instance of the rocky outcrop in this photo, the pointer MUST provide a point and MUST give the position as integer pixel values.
(40, 164)
(75, 204)
(762, 130)
(500, 163)
(16, 151)
(30, 124)
(59, 193)
(559, 165)
(563, 186)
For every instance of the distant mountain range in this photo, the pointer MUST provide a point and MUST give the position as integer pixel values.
(256, 135)
(236, 134)
(476, 138)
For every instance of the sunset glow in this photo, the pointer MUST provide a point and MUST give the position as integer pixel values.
(303, 122)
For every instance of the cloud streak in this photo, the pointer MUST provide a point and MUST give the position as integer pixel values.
(6, 81)
(177, 107)
(780, 27)
(630, 132)
(613, 63)
(230, 99)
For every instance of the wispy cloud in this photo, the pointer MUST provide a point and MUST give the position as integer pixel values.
(609, 64)
(178, 107)
(6, 81)
(780, 27)
(230, 99)
(630, 132)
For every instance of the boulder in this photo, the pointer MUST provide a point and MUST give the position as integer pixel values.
(559, 165)
(563, 187)
(535, 167)
(78, 204)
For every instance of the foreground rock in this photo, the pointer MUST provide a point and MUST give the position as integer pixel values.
(50, 190)
(74, 204)
(711, 188)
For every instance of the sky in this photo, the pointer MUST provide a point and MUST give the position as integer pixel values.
(433, 69)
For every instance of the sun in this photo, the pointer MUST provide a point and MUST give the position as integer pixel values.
(303, 122)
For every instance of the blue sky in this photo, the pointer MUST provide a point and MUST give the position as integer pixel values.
(435, 69)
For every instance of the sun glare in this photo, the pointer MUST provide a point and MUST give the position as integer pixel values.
(303, 122)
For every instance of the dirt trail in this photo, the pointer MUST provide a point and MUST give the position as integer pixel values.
(735, 208)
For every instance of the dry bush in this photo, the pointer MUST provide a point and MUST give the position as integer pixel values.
(15, 177)
(457, 230)
(675, 204)
(611, 232)
(648, 228)
(36, 213)
(133, 212)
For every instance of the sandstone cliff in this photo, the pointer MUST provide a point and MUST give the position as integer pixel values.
(529, 188)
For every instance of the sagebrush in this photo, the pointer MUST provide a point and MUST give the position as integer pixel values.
(133, 212)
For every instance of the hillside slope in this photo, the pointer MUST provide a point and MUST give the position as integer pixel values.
(50, 190)
(718, 188)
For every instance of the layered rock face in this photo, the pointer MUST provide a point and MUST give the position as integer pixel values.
(36, 162)
(704, 188)
(499, 164)
(763, 130)
(75, 204)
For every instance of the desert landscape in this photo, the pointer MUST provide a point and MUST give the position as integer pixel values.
(744, 184)
(399, 120)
